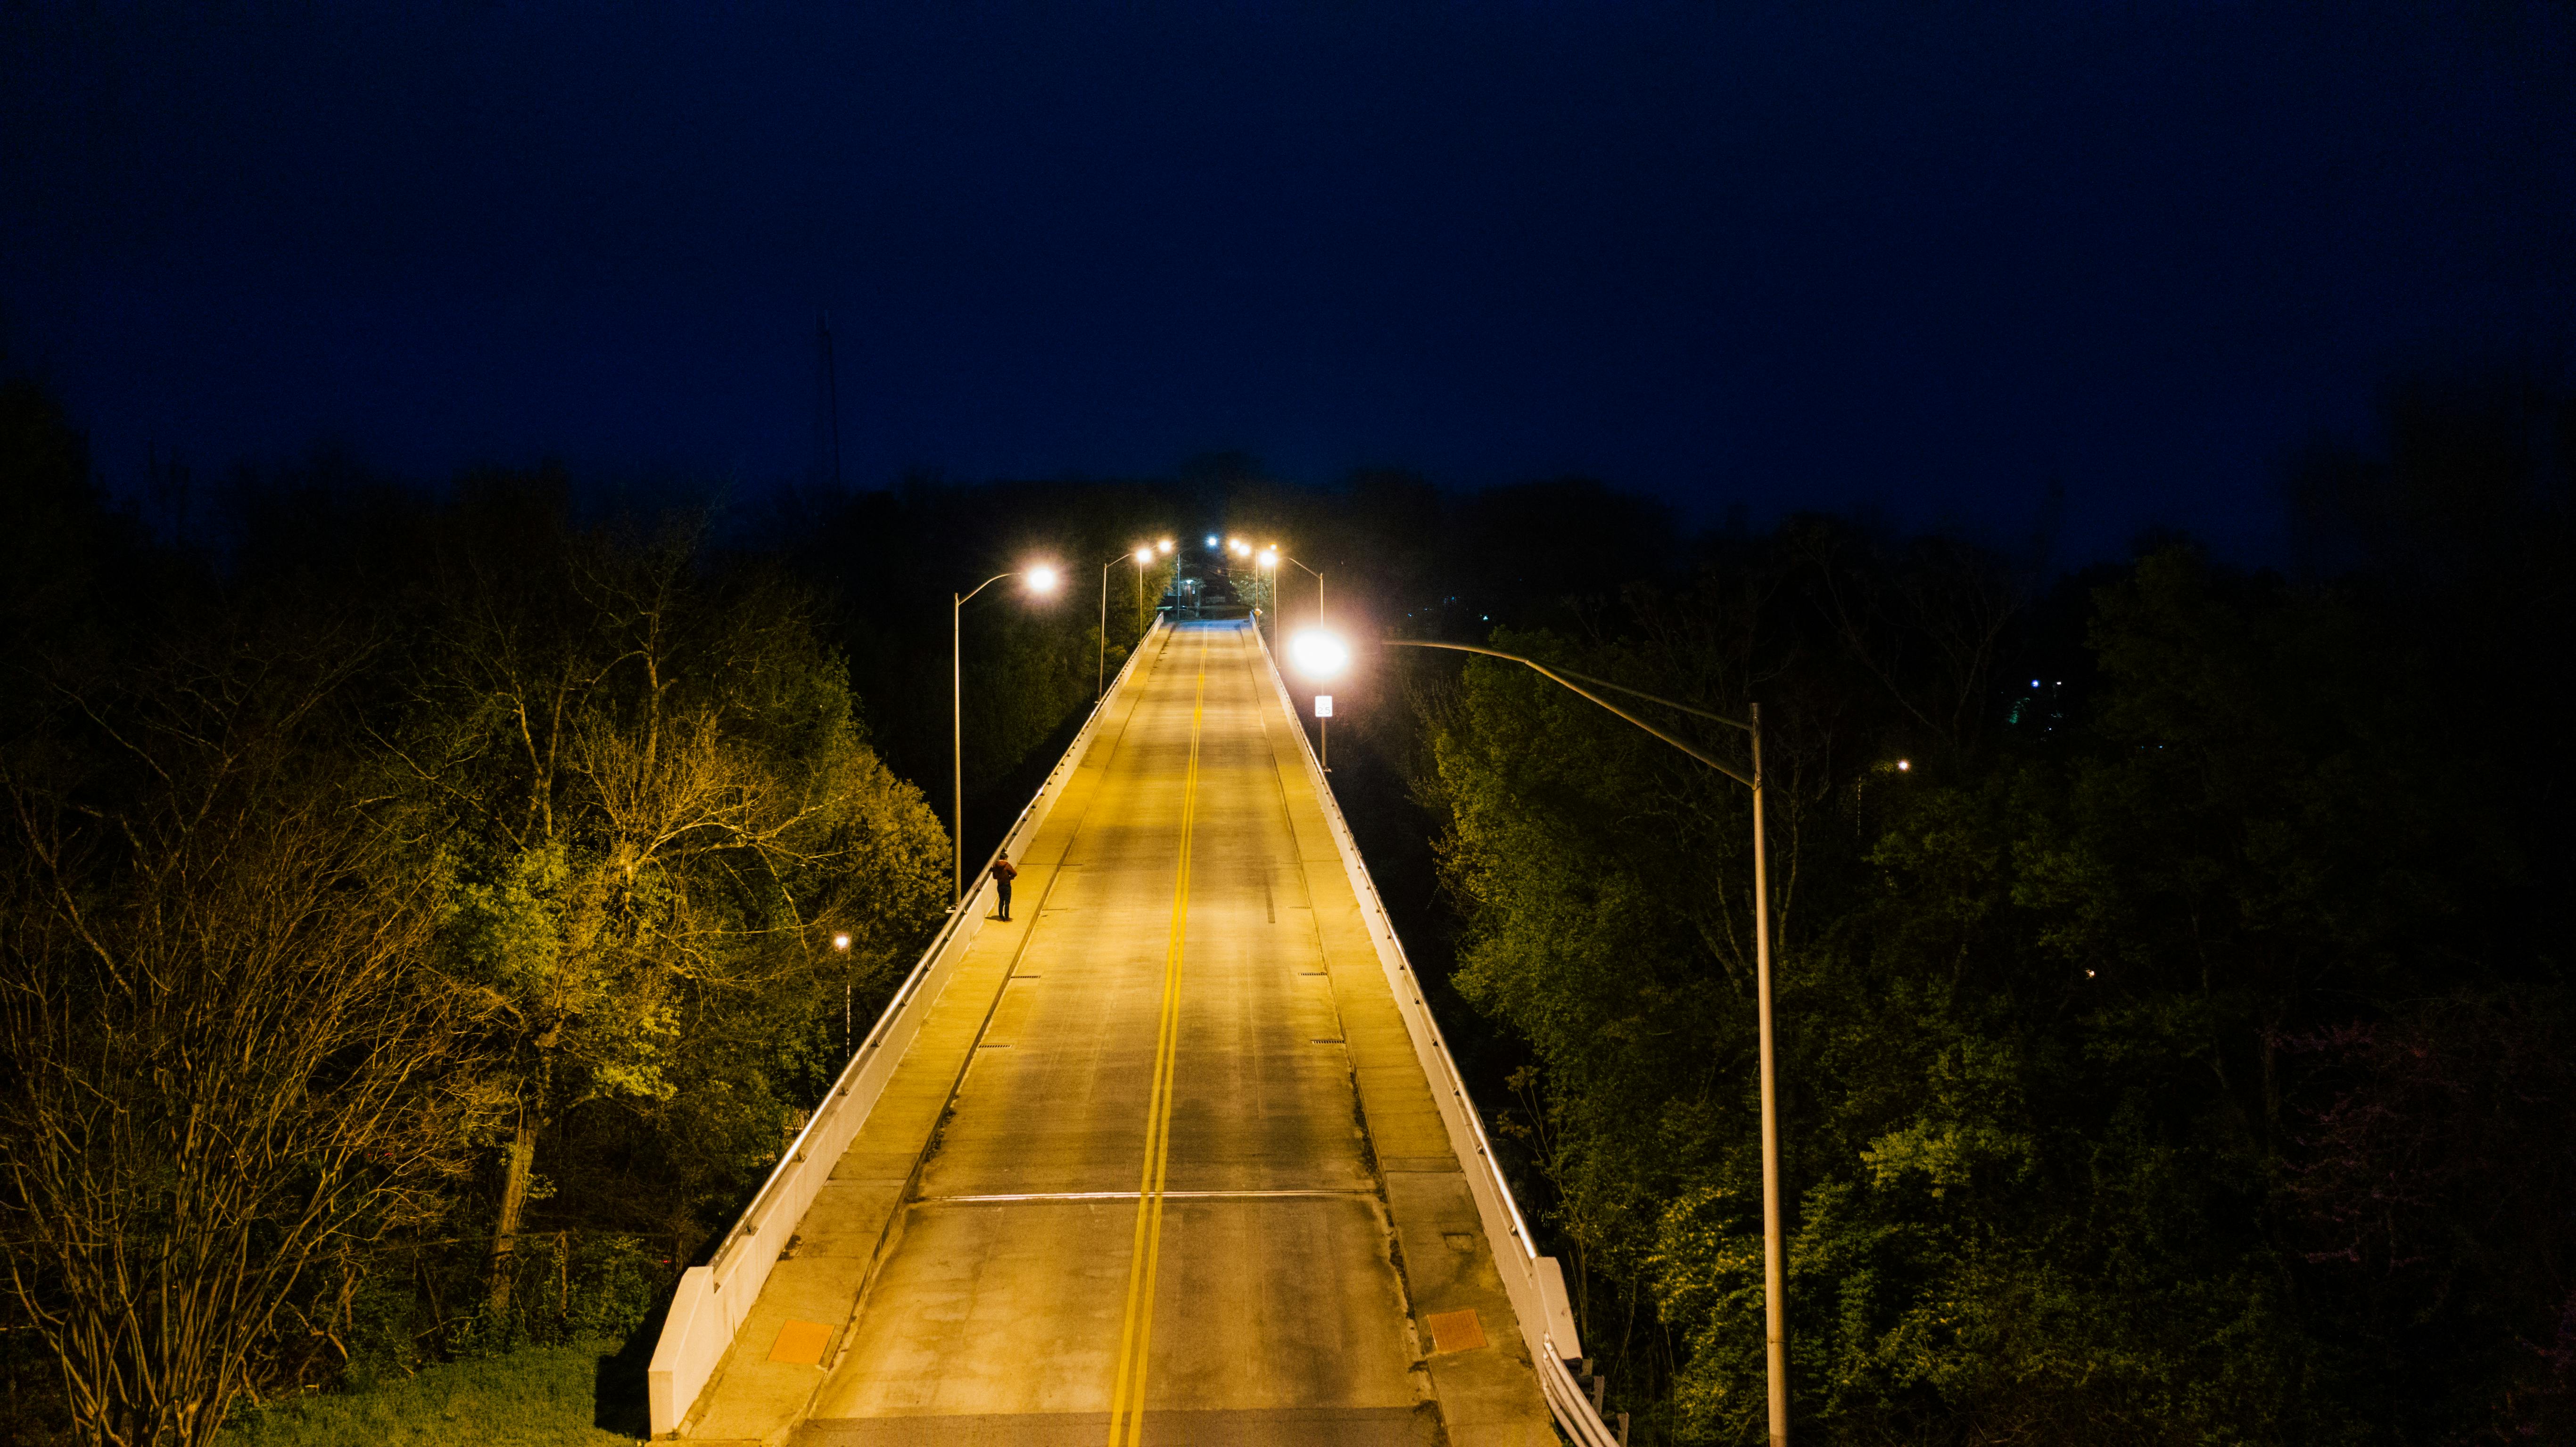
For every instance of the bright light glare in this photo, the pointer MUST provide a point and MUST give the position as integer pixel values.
(1211, 540)
(1319, 654)
(1144, 555)
(1165, 545)
(1041, 579)
(840, 942)
(1902, 765)
(1270, 560)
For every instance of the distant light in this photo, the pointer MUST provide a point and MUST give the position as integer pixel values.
(1319, 654)
(1144, 555)
(1211, 540)
(1165, 545)
(1903, 765)
(1042, 579)
(2088, 974)
(840, 942)
(2034, 683)
(1270, 560)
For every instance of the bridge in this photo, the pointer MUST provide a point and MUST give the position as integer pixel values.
(1174, 1155)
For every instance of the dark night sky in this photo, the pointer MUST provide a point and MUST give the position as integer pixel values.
(1927, 256)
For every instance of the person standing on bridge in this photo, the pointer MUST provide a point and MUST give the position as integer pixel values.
(1003, 873)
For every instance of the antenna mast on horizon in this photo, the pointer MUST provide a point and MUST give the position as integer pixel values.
(827, 420)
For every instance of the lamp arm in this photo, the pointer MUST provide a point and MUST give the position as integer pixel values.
(1559, 678)
(964, 598)
(1595, 682)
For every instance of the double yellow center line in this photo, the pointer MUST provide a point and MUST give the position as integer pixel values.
(1136, 1332)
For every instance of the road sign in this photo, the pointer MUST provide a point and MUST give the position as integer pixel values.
(1323, 705)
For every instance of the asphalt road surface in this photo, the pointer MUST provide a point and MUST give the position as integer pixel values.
(1178, 1178)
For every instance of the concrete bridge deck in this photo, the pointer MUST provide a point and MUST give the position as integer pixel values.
(1162, 1163)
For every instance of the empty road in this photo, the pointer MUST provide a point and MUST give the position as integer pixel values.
(1162, 1167)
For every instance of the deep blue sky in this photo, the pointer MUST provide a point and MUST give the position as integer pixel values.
(1926, 256)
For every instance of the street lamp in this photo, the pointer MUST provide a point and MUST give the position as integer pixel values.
(1274, 558)
(841, 942)
(1322, 657)
(1774, 1286)
(1269, 559)
(1140, 557)
(1042, 580)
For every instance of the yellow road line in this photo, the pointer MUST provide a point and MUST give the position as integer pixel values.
(1136, 1331)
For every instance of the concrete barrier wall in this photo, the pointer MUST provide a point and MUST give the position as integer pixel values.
(712, 1300)
(1535, 1283)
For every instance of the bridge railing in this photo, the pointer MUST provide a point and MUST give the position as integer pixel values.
(712, 1300)
(1534, 1283)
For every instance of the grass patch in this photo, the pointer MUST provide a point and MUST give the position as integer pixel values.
(585, 1394)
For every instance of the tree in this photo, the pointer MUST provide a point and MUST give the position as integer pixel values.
(652, 803)
(227, 1063)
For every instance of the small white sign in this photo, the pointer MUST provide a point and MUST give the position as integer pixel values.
(1323, 705)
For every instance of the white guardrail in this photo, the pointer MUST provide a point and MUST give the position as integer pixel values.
(712, 1300)
(1535, 1283)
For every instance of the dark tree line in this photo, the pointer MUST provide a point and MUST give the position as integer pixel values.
(2175, 1047)
(2174, 1050)
(419, 921)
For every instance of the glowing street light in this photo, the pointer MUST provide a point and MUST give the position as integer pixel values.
(1140, 557)
(1038, 578)
(1272, 559)
(841, 942)
(1319, 655)
(1270, 590)
(1165, 546)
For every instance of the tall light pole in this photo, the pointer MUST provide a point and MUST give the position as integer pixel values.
(1269, 560)
(1042, 579)
(841, 943)
(1242, 549)
(1274, 558)
(1140, 556)
(1775, 1310)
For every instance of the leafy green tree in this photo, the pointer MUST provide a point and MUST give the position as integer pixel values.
(655, 806)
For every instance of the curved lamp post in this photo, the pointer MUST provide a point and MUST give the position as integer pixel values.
(1140, 557)
(1042, 579)
(1241, 549)
(1271, 558)
(1774, 1287)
